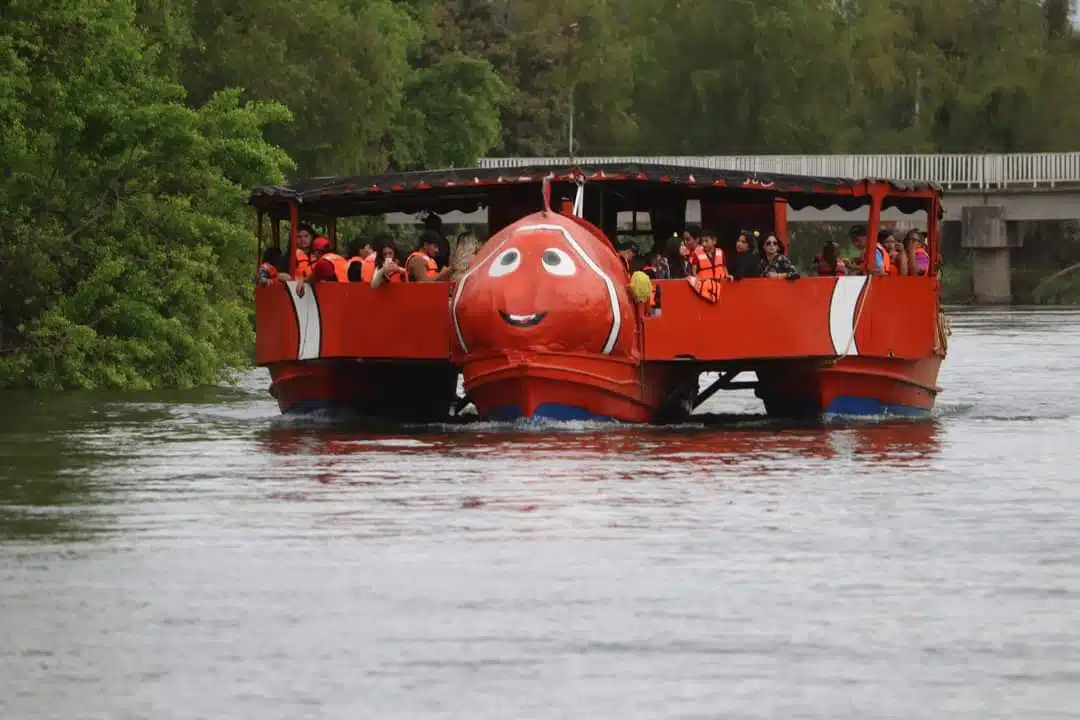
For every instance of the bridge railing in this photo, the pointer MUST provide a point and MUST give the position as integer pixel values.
(983, 172)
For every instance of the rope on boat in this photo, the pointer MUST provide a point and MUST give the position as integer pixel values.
(944, 330)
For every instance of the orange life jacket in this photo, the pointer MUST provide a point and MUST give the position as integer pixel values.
(303, 264)
(367, 268)
(432, 266)
(269, 270)
(708, 268)
(341, 266)
(709, 272)
(886, 263)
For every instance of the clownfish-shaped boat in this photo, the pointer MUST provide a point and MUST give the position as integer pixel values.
(544, 320)
(545, 327)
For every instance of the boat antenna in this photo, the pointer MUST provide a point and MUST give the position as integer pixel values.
(546, 189)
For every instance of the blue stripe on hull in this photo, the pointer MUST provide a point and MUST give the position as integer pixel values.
(849, 405)
(546, 411)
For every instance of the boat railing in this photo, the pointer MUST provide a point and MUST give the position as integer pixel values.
(1015, 171)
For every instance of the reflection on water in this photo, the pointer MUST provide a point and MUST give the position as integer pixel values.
(194, 555)
(899, 442)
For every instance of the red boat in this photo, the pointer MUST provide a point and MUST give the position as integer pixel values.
(543, 323)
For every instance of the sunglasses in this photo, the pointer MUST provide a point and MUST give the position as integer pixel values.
(772, 243)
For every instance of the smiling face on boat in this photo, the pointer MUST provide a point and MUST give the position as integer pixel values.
(543, 283)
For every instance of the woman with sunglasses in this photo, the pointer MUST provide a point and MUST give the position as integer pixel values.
(775, 264)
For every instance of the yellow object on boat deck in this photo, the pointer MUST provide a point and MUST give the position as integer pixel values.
(640, 287)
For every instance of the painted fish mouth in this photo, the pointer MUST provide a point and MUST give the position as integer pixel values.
(522, 321)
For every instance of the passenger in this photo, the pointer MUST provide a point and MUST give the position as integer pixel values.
(707, 260)
(746, 263)
(328, 266)
(897, 259)
(829, 263)
(434, 225)
(387, 269)
(656, 266)
(776, 264)
(361, 254)
(691, 239)
(918, 257)
(881, 258)
(887, 241)
(270, 267)
(648, 266)
(676, 259)
(707, 264)
(305, 234)
(421, 265)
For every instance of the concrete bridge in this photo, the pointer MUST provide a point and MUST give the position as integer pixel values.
(1027, 186)
(990, 196)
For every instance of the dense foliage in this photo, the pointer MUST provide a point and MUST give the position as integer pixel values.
(130, 130)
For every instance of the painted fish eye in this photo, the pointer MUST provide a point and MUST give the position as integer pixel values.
(557, 262)
(505, 263)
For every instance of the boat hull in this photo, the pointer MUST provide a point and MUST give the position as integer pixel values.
(421, 392)
(565, 387)
(851, 387)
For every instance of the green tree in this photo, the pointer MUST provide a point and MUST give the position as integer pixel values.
(450, 116)
(744, 77)
(126, 250)
(341, 67)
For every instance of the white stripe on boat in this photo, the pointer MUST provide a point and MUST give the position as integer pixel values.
(845, 298)
(307, 321)
(613, 295)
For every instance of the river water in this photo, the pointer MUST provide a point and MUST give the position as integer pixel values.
(189, 555)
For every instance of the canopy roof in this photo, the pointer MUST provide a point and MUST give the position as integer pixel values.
(469, 189)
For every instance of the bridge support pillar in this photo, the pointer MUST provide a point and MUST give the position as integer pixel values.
(985, 232)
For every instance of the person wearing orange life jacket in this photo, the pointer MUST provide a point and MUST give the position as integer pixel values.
(421, 265)
(898, 264)
(327, 266)
(688, 245)
(897, 259)
(305, 235)
(359, 252)
(386, 268)
(707, 266)
(269, 272)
